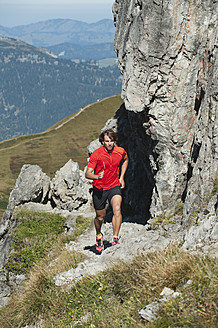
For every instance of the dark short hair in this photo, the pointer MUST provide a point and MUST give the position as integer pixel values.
(110, 133)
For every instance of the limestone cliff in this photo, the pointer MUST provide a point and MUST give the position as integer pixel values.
(168, 57)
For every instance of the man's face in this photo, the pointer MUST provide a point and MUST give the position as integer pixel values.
(108, 143)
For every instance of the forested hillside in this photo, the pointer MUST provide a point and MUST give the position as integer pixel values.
(37, 89)
(84, 52)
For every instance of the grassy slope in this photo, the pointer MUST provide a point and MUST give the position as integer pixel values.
(114, 297)
(53, 148)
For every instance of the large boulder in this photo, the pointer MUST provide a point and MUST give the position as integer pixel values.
(32, 185)
(69, 190)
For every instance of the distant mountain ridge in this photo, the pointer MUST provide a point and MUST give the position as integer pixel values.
(56, 31)
(38, 89)
(67, 38)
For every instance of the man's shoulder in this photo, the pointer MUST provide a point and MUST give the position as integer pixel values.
(119, 149)
(97, 151)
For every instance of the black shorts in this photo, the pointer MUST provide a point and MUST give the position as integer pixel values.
(100, 197)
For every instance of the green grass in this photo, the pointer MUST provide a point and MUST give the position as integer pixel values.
(114, 297)
(53, 148)
(35, 236)
(33, 239)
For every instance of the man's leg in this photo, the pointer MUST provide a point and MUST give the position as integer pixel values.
(117, 216)
(99, 220)
(100, 214)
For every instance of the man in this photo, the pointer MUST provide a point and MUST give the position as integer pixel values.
(104, 169)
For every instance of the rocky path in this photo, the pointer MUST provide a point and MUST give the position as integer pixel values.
(134, 239)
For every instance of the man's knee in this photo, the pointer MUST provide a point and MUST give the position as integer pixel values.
(117, 210)
(100, 216)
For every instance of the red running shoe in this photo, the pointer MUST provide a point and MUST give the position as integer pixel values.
(115, 241)
(99, 243)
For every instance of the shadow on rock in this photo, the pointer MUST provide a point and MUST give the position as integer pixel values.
(93, 248)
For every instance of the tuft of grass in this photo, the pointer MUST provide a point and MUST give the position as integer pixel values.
(114, 297)
(161, 220)
(197, 305)
(179, 208)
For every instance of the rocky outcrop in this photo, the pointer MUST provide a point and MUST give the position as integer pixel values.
(167, 54)
(67, 194)
(68, 189)
(34, 190)
(32, 185)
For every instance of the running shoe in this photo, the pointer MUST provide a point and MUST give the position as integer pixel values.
(99, 243)
(115, 241)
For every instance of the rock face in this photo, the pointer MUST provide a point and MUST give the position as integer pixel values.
(167, 55)
(203, 234)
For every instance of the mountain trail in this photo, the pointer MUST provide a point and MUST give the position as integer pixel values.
(79, 112)
(133, 239)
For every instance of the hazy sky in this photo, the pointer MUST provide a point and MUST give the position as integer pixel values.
(22, 12)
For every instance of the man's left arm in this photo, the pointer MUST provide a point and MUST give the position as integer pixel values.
(123, 171)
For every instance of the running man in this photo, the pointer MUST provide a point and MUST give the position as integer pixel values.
(105, 165)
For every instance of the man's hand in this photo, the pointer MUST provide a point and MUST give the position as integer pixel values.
(90, 175)
(123, 171)
(122, 183)
(101, 175)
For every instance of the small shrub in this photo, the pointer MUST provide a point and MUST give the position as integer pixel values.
(3, 203)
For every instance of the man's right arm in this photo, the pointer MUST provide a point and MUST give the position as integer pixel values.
(90, 175)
